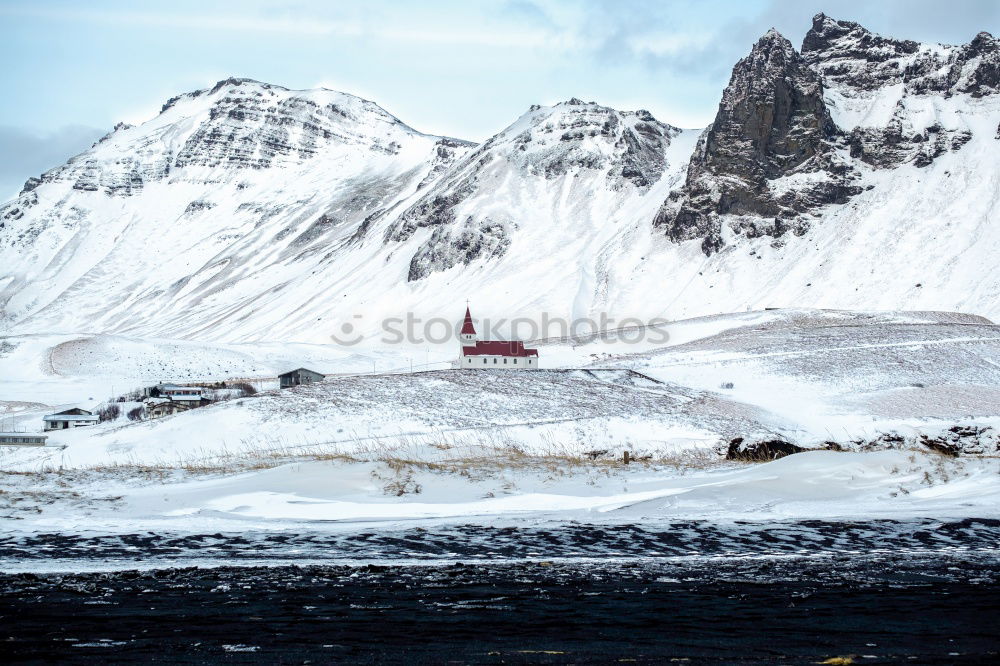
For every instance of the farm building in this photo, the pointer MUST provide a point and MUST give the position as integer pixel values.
(179, 393)
(160, 407)
(22, 439)
(70, 418)
(298, 377)
(478, 354)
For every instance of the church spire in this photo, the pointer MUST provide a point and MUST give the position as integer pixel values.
(468, 328)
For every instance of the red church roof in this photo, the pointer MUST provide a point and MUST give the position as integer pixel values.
(507, 348)
(467, 326)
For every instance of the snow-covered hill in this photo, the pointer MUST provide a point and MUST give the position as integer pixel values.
(218, 210)
(557, 173)
(857, 173)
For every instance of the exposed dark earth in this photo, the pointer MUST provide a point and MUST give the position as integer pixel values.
(884, 610)
(875, 592)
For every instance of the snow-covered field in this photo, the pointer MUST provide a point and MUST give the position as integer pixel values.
(313, 495)
(542, 446)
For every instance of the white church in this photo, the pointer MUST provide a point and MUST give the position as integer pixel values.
(478, 354)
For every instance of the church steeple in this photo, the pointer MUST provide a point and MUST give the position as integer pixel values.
(467, 336)
(467, 325)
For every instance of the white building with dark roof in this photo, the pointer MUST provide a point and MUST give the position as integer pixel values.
(476, 354)
(70, 418)
(22, 439)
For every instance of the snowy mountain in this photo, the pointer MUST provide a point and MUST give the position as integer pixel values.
(211, 210)
(858, 172)
(252, 212)
(589, 149)
(797, 132)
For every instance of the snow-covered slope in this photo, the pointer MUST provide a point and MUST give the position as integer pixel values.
(858, 173)
(557, 173)
(221, 209)
(888, 388)
(253, 212)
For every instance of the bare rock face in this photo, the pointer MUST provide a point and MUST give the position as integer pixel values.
(760, 450)
(864, 69)
(772, 124)
(846, 54)
(895, 144)
(449, 247)
(970, 440)
(775, 154)
(980, 69)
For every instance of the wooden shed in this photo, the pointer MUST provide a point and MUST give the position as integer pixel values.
(298, 377)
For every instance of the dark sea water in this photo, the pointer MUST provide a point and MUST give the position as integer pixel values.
(876, 593)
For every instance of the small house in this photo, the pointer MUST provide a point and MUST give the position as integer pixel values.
(299, 377)
(22, 439)
(159, 407)
(71, 418)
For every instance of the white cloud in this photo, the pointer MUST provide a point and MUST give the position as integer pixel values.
(305, 26)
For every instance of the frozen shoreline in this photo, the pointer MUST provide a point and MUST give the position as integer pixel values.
(674, 543)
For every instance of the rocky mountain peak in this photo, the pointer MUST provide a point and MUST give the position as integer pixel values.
(983, 41)
(852, 58)
(847, 39)
(879, 84)
(230, 85)
(772, 122)
(771, 50)
(238, 123)
(770, 39)
(978, 63)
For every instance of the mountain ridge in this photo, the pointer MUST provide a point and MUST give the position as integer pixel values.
(248, 211)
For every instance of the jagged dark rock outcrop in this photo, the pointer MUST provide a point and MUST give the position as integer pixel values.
(958, 440)
(965, 440)
(773, 155)
(448, 247)
(893, 145)
(772, 122)
(983, 56)
(862, 66)
(847, 54)
(760, 451)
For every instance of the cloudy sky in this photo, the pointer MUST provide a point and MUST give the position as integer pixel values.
(464, 68)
